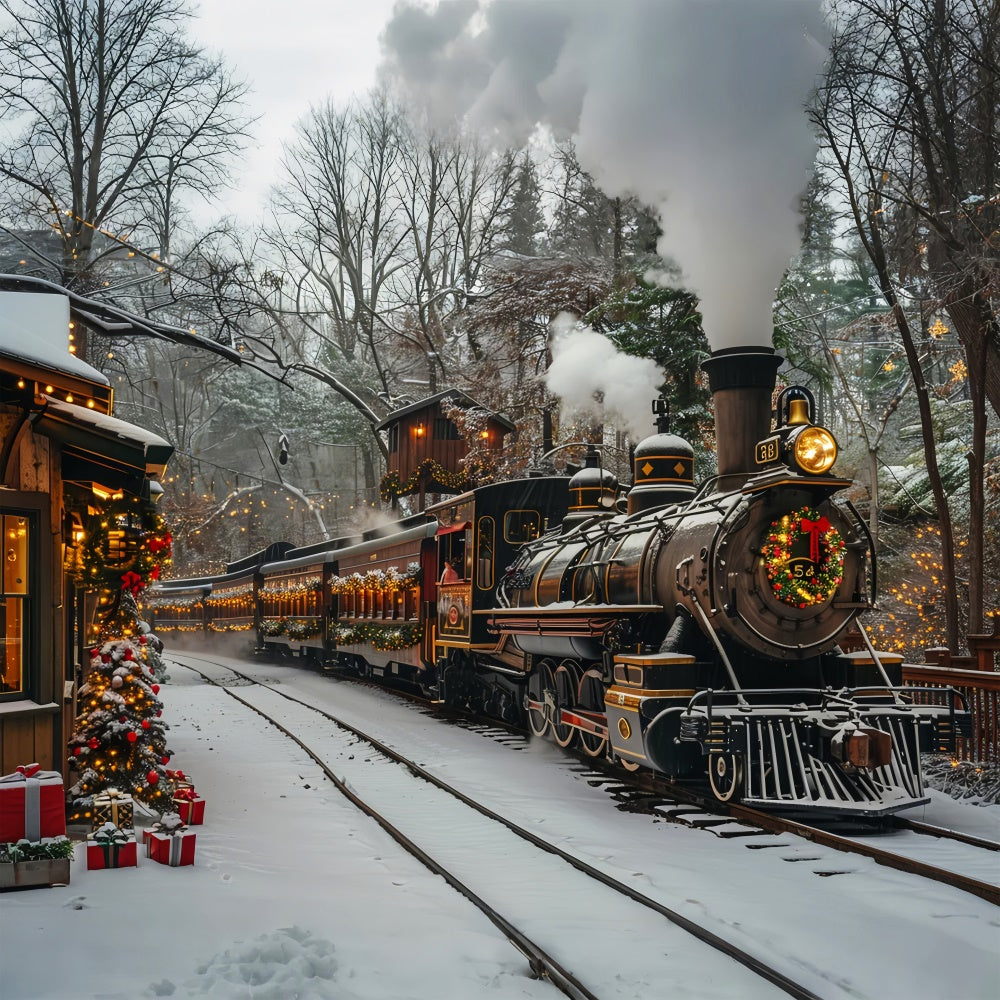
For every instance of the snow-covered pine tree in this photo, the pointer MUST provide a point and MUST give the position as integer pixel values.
(119, 740)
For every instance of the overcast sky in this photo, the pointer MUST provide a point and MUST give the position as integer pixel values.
(293, 53)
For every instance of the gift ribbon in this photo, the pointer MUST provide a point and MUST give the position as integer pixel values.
(110, 799)
(186, 793)
(814, 529)
(32, 777)
(110, 839)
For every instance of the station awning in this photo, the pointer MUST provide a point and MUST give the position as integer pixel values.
(100, 448)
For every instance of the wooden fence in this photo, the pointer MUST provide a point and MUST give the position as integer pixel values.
(977, 678)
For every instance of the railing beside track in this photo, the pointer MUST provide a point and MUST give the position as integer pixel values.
(981, 691)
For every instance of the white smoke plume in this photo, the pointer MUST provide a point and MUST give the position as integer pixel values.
(693, 106)
(593, 378)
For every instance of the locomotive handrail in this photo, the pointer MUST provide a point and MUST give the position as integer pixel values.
(845, 697)
(871, 548)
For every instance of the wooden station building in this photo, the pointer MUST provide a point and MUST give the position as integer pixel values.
(63, 455)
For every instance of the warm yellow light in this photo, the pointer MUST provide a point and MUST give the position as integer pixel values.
(815, 450)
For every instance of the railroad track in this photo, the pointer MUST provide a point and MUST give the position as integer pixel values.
(566, 876)
(642, 791)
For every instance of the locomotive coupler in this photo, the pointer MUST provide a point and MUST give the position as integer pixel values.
(857, 746)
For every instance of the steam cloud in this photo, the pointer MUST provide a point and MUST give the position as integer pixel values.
(694, 106)
(591, 376)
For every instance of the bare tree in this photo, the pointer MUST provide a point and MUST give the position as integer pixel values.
(112, 112)
(910, 113)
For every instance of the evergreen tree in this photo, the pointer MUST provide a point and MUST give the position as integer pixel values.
(524, 224)
(119, 740)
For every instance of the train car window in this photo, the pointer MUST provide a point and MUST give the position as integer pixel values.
(485, 550)
(14, 601)
(521, 526)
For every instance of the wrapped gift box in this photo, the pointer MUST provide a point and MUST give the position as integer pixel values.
(32, 804)
(111, 847)
(112, 806)
(172, 848)
(190, 806)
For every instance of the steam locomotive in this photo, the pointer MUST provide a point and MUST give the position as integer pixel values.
(693, 631)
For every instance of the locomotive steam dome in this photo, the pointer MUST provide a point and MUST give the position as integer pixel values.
(663, 471)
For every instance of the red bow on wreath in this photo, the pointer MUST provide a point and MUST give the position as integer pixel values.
(132, 581)
(814, 529)
(158, 544)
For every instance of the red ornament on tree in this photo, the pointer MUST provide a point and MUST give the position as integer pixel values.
(164, 760)
(145, 723)
(155, 688)
(142, 640)
(132, 737)
(152, 777)
(77, 751)
(93, 743)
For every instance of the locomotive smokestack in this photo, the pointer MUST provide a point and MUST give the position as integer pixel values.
(742, 383)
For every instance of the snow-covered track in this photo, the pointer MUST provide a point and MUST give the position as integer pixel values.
(866, 847)
(494, 836)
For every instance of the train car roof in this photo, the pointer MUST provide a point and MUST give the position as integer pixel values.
(490, 491)
(413, 528)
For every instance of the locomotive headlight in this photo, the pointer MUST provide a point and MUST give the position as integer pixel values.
(814, 450)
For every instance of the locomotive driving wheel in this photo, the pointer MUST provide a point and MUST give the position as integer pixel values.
(591, 697)
(725, 775)
(541, 688)
(567, 681)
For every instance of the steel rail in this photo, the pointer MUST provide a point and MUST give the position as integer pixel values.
(749, 961)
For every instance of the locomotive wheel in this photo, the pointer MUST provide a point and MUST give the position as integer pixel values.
(725, 775)
(591, 697)
(541, 686)
(567, 681)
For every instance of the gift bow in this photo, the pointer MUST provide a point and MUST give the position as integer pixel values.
(814, 529)
(110, 839)
(28, 770)
(132, 581)
(186, 793)
(110, 834)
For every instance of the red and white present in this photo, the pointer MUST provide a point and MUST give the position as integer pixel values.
(174, 848)
(190, 806)
(32, 805)
(111, 847)
(180, 779)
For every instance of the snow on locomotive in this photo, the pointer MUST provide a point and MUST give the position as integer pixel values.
(692, 632)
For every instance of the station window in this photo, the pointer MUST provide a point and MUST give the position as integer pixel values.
(15, 600)
(521, 526)
(487, 547)
(445, 430)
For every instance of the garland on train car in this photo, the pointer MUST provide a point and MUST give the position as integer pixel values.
(802, 582)
(388, 581)
(432, 473)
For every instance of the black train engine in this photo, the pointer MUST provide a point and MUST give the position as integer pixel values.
(699, 631)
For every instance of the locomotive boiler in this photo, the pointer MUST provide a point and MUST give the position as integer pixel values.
(701, 628)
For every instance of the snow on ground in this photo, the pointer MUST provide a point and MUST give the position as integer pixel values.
(295, 894)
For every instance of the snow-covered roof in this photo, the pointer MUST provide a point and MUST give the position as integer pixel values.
(34, 328)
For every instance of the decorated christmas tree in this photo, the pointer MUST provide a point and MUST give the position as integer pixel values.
(119, 740)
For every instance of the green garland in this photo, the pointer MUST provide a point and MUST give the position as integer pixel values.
(818, 578)
(434, 474)
(384, 638)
